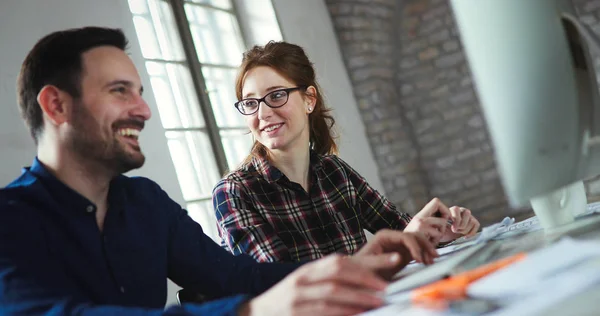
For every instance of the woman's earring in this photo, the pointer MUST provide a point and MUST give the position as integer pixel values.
(309, 109)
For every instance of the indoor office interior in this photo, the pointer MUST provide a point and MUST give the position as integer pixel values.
(394, 72)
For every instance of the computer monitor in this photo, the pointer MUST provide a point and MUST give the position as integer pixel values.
(536, 82)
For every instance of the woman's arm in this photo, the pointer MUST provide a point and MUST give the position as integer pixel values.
(376, 210)
(242, 228)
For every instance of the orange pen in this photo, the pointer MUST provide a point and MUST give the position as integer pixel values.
(455, 287)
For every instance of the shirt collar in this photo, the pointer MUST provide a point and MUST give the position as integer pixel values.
(316, 161)
(65, 195)
(266, 169)
(272, 174)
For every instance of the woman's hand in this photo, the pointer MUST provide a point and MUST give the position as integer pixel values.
(463, 224)
(442, 224)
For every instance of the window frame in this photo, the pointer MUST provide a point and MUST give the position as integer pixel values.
(184, 138)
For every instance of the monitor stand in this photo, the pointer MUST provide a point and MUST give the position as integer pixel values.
(558, 208)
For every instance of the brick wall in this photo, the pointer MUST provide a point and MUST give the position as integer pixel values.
(367, 31)
(417, 100)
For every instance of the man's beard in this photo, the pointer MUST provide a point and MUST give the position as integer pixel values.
(88, 143)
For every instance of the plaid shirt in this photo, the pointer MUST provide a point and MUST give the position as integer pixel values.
(262, 213)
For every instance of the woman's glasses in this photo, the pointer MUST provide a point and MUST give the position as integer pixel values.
(273, 99)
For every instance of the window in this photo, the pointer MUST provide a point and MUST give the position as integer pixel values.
(192, 49)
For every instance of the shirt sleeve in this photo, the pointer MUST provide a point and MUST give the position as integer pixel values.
(242, 228)
(196, 262)
(32, 284)
(377, 211)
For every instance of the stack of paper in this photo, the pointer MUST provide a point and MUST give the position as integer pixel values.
(543, 279)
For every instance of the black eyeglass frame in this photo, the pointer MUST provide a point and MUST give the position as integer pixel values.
(238, 104)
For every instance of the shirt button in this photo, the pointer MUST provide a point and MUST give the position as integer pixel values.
(122, 289)
(89, 209)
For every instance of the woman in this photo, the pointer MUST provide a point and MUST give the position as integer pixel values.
(293, 199)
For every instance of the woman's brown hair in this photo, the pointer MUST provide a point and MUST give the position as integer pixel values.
(290, 61)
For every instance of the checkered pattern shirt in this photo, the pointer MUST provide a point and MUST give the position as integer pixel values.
(262, 213)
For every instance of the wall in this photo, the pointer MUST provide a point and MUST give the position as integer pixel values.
(367, 34)
(417, 100)
(22, 23)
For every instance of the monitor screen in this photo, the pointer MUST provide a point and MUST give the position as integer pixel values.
(536, 82)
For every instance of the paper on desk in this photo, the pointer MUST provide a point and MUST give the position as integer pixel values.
(402, 310)
(592, 208)
(552, 291)
(490, 232)
(454, 248)
(526, 226)
(528, 276)
(533, 223)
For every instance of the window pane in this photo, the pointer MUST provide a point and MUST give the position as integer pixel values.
(203, 213)
(147, 37)
(220, 84)
(175, 95)
(156, 30)
(216, 35)
(194, 162)
(237, 145)
(223, 4)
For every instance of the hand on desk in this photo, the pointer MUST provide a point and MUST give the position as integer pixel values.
(433, 221)
(408, 245)
(333, 285)
(337, 285)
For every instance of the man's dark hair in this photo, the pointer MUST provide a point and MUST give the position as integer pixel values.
(56, 60)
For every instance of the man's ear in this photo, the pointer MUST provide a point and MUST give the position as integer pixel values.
(55, 104)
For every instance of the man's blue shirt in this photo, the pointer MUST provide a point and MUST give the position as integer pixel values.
(54, 260)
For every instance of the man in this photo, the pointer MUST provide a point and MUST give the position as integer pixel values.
(78, 237)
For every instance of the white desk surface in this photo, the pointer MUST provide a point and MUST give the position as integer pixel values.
(587, 303)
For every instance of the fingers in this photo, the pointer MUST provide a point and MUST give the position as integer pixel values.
(337, 286)
(327, 309)
(414, 242)
(420, 248)
(399, 248)
(427, 248)
(433, 227)
(434, 207)
(330, 286)
(442, 210)
(474, 227)
(456, 217)
(463, 221)
(338, 269)
(467, 221)
(440, 224)
(339, 294)
(437, 222)
(431, 232)
(378, 262)
(467, 218)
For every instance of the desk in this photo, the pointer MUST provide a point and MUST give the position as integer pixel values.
(586, 228)
(586, 303)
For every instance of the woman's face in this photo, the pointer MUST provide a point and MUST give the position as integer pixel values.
(278, 129)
